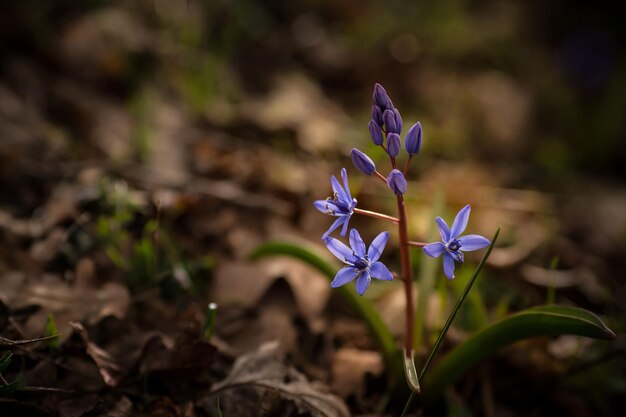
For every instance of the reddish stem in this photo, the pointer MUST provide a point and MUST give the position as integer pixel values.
(407, 274)
(406, 166)
(376, 214)
(381, 176)
(417, 244)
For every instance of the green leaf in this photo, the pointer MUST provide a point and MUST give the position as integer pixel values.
(362, 306)
(5, 361)
(51, 330)
(538, 321)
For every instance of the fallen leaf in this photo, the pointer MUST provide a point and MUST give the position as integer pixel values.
(349, 369)
(110, 371)
(259, 381)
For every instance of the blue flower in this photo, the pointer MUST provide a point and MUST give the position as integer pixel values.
(397, 182)
(361, 265)
(341, 204)
(362, 162)
(451, 245)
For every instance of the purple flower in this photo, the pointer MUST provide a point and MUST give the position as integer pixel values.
(413, 140)
(361, 265)
(396, 115)
(381, 98)
(393, 144)
(451, 245)
(377, 115)
(341, 204)
(362, 162)
(396, 182)
(391, 124)
(375, 133)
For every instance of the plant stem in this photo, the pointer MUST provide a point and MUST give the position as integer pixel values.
(381, 176)
(407, 274)
(376, 214)
(406, 166)
(416, 244)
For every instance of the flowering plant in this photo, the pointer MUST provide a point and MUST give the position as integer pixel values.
(361, 264)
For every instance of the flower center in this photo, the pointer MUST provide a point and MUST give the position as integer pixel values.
(361, 264)
(454, 246)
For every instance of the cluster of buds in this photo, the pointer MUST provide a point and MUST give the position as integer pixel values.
(385, 129)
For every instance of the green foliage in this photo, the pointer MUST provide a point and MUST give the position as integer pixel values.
(209, 322)
(150, 259)
(534, 322)
(51, 330)
(5, 386)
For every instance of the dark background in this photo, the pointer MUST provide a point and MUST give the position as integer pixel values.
(221, 121)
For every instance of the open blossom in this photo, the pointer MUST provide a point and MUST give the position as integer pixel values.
(360, 264)
(452, 245)
(340, 205)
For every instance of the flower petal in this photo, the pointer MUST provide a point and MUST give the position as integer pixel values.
(344, 229)
(434, 249)
(448, 265)
(377, 246)
(341, 251)
(357, 244)
(325, 206)
(344, 176)
(473, 242)
(338, 189)
(444, 230)
(379, 270)
(362, 282)
(335, 225)
(344, 275)
(460, 222)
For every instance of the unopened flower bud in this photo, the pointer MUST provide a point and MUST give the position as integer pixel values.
(362, 162)
(381, 98)
(390, 121)
(396, 115)
(377, 115)
(375, 133)
(393, 144)
(413, 140)
(396, 182)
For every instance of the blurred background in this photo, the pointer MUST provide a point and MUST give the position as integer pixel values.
(147, 146)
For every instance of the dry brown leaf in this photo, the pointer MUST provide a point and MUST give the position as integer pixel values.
(349, 368)
(245, 284)
(110, 371)
(82, 302)
(259, 381)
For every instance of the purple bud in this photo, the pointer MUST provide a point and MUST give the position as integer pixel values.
(396, 182)
(413, 140)
(375, 133)
(377, 115)
(362, 162)
(396, 114)
(393, 144)
(381, 98)
(390, 121)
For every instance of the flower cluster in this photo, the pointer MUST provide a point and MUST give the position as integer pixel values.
(385, 128)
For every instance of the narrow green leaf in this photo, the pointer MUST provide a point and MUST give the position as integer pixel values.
(219, 409)
(362, 306)
(51, 330)
(5, 361)
(209, 322)
(538, 321)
